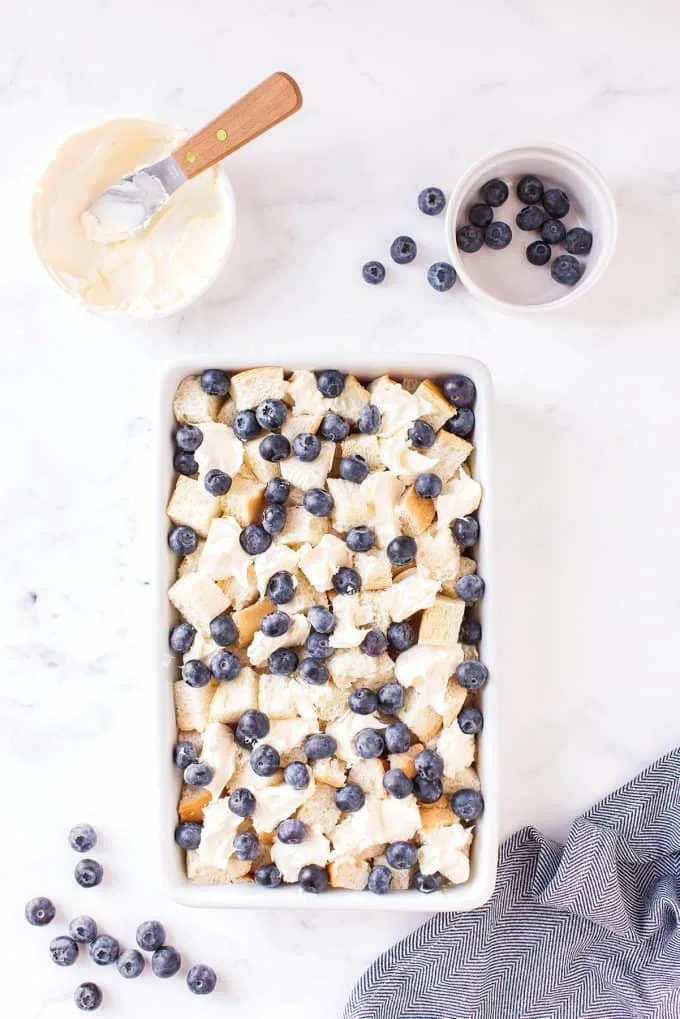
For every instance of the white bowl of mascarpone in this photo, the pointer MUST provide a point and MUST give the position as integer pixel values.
(157, 271)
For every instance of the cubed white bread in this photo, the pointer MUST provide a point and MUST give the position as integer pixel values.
(438, 554)
(369, 775)
(405, 762)
(349, 872)
(227, 412)
(202, 648)
(288, 734)
(459, 497)
(415, 514)
(436, 815)
(321, 562)
(375, 570)
(251, 387)
(304, 394)
(398, 408)
(262, 469)
(359, 832)
(302, 527)
(223, 557)
(381, 492)
(344, 730)
(198, 599)
(325, 703)
(400, 457)
(296, 424)
(277, 696)
(465, 566)
(446, 850)
(241, 590)
(400, 818)
(456, 749)
(436, 409)
(305, 596)
(220, 449)
(192, 404)
(470, 653)
(277, 558)
(351, 401)
(401, 879)
(219, 751)
(350, 508)
(191, 736)
(367, 446)
(261, 647)
(372, 609)
(275, 803)
(411, 592)
(203, 874)
(410, 383)
(454, 699)
(350, 667)
(245, 778)
(191, 505)
(291, 858)
(305, 475)
(320, 811)
(249, 619)
(466, 778)
(189, 563)
(330, 771)
(440, 623)
(449, 452)
(192, 704)
(347, 634)
(420, 717)
(192, 803)
(244, 501)
(231, 699)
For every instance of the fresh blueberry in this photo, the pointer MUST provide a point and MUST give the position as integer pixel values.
(397, 783)
(369, 743)
(274, 448)
(215, 382)
(188, 835)
(281, 587)
(321, 618)
(401, 855)
(469, 238)
(253, 539)
(421, 434)
(461, 423)
(196, 673)
(318, 502)
(391, 697)
(426, 882)
(277, 490)
(480, 214)
(88, 873)
(470, 631)
(83, 929)
(531, 218)
(401, 636)
(150, 935)
(104, 950)
(184, 463)
(350, 798)
(271, 414)
(265, 760)
(188, 438)
(131, 964)
(333, 427)
(465, 531)
(246, 846)
(88, 997)
(254, 723)
(578, 241)
(441, 276)
(217, 482)
(529, 189)
(459, 390)
(428, 486)
(201, 979)
(242, 802)
(380, 880)
(165, 962)
(472, 674)
(370, 419)
(431, 201)
(566, 270)
(553, 231)
(330, 383)
(282, 662)
(319, 745)
(184, 754)
(556, 203)
(313, 672)
(470, 587)
(82, 838)
(291, 831)
(306, 446)
(346, 580)
(318, 646)
(362, 701)
(467, 804)
(274, 518)
(427, 790)
(497, 235)
(495, 192)
(373, 272)
(245, 425)
(397, 738)
(268, 876)
(374, 643)
(360, 539)
(296, 774)
(223, 630)
(181, 638)
(538, 252)
(225, 666)
(470, 720)
(275, 624)
(403, 250)
(199, 774)
(313, 878)
(401, 550)
(63, 950)
(429, 764)
(354, 468)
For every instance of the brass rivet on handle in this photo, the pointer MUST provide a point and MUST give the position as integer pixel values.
(190, 157)
(221, 135)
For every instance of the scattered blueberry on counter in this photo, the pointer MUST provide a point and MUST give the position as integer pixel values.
(441, 276)
(165, 962)
(87, 997)
(104, 950)
(63, 951)
(82, 838)
(373, 272)
(403, 250)
(431, 201)
(83, 929)
(39, 912)
(130, 963)
(150, 935)
(88, 873)
(201, 980)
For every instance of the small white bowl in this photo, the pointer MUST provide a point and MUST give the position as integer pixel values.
(505, 278)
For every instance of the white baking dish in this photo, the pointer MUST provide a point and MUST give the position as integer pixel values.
(485, 847)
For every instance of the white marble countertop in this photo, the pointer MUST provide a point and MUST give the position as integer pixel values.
(398, 96)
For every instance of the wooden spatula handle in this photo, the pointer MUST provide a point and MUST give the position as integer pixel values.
(263, 107)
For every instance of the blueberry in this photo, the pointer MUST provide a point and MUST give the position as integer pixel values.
(538, 253)
(379, 880)
(282, 662)
(184, 754)
(369, 743)
(566, 270)
(319, 745)
(246, 846)
(362, 701)
(265, 760)
(472, 674)
(217, 482)
(196, 673)
(330, 383)
(131, 964)
(313, 672)
(188, 438)
(469, 238)
(428, 486)
(459, 390)
(277, 490)
(296, 774)
(253, 539)
(421, 434)
(553, 231)
(461, 423)
(268, 875)
(255, 724)
(215, 382)
(391, 697)
(150, 935)
(495, 192)
(397, 783)
(556, 203)
(87, 997)
(470, 631)
(313, 878)
(480, 214)
(306, 447)
(321, 618)
(465, 531)
(318, 646)
(184, 463)
(470, 587)
(470, 720)
(242, 802)
(426, 882)
(531, 218)
(201, 980)
(281, 587)
(401, 855)
(578, 241)
(199, 774)
(441, 276)
(529, 189)
(360, 539)
(397, 738)
(271, 414)
(223, 630)
(370, 419)
(275, 624)
(225, 666)
(104, 950)
(82, 838)
(274, 519)
(431, 201)
(88, 873)
(350, 798)
(373, 272)
(291, 831)
(318, 502)
(354, 468)
(467, 804)
(245, 425)
(165, 962)
(188, 835)
(83, 929)
(401, 550)
(427, 790)
(346, 581)
(429, 764)
(63, 950)
(497, 235)
(374, 643)
(401, 636)
(333, 427)
(274, 448)
(403, 250)
(241, 740)
(181, 638)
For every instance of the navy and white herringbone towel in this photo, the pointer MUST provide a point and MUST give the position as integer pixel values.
(588, 930)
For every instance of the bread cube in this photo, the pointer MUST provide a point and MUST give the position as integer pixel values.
(305, 475)
(350, 508)
(192, 704)
(436, 815)
(251, 387)
(436, 409)
(305, 395)
(189, 563)
(400, 457)
(375, 570)
(192, 405)
(202, 873)
(263, 470)
(277, 696)
(325, 703)
(240, 590)
(456, 749)
(415, 514)
(351, 401)
(295, 424)
(227, 412)
(305, 596)
(222, 557)
(249, 619)
(261, 646)
(450, 453)
(330, 771)
(192, 802)
(367, 446)
(220, 449)
(369, 775)
(349, 872)
(411, 592)
(438, 554)
(302, 527)
(446, 850)
(421, 719)
(401, 879)
(231, 699)
(244, 501)
(278, 557)
(440, 623)
(398, 408)
(198, 599)
(191, 505)
(321, 562)
(459, 497)
(320, 811)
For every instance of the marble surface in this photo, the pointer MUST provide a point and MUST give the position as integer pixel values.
(397, 96)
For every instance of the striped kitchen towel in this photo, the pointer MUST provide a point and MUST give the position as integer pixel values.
(586, 930)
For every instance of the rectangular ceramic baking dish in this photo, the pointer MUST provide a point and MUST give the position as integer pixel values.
(479, 887)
